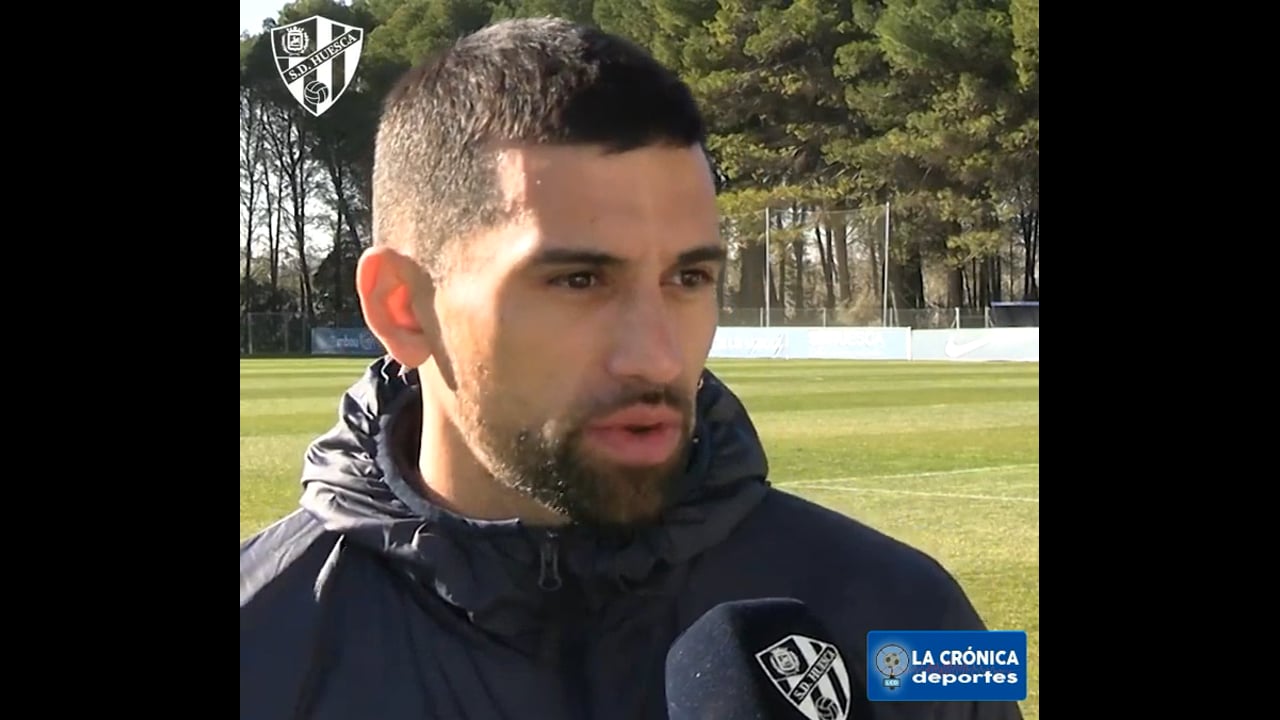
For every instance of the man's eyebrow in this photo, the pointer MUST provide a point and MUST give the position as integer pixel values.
(572, 256)
(706, 253)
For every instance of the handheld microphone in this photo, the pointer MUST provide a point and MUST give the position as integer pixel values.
(762, 659)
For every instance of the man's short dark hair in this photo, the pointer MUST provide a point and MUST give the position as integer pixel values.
(525, 81)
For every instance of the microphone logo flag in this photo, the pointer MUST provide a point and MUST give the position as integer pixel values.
(892, 661)
(810, 674)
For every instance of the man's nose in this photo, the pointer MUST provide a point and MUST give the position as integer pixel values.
(646, 342)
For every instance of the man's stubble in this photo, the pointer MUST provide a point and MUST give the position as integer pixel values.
(549, 463)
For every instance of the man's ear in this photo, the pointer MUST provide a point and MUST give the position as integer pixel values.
(392, 287)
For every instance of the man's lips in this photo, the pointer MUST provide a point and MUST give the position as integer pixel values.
(637, 417)
(637, 436)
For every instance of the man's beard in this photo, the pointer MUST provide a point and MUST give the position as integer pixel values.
(551, 465)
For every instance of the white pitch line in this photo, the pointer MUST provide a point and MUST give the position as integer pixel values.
(891, 491)
(902, 476)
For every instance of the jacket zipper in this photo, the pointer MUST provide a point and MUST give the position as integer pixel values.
(562, 643)
(549, 580)
(549, 564)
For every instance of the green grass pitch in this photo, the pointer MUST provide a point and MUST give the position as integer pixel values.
(944, 456)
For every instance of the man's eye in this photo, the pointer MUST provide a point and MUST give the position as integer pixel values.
(576, 281)
(695, 278)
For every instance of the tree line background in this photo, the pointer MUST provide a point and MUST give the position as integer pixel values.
(822, 113)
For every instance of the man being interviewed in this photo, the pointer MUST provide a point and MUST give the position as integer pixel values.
(541, 486)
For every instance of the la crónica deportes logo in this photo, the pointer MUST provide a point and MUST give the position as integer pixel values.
(947, 665)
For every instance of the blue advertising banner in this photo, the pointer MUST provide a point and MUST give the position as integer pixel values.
(738, 342)
(906, 666)
(796, 343)
(1007, 344)
(803, 343)
(350, 341)
(852, 343)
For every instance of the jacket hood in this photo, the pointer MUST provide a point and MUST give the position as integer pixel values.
(505, 574)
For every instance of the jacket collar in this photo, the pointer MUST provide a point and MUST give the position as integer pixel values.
(504, 575)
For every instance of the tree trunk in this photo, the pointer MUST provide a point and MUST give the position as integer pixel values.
(1030, 226)
(840, 241)
(751, 284)
(907, 279)
(828, 265)
(955, 288)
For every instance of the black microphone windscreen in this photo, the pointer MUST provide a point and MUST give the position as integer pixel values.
(763, 659)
